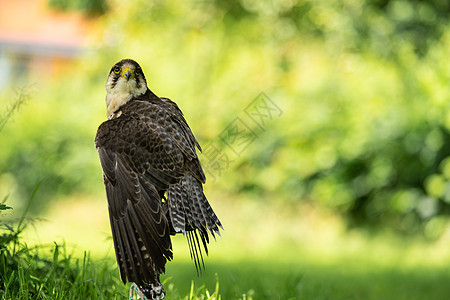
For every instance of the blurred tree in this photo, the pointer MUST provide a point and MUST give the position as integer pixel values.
(88, 7)
(363, 86)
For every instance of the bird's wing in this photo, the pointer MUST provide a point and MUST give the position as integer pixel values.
(180, 118)
(139, 228)
(142, 154)
(186, 207)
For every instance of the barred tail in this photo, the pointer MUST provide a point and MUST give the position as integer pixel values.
(188, 211)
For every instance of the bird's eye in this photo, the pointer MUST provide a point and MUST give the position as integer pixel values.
(117, 70)
(137, 72)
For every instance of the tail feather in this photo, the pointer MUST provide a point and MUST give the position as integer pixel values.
(190, 213)
(195, 250)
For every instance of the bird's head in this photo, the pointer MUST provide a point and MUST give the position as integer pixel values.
(126, 77)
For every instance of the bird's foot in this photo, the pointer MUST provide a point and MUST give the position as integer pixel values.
(147, 291)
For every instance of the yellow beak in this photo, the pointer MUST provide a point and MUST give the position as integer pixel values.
(127, 73)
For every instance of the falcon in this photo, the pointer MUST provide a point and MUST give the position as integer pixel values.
(153, 179)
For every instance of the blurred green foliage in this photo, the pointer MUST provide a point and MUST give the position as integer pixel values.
(88, 7)
(362, 85)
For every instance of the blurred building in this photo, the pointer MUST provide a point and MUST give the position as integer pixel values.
(37, 41)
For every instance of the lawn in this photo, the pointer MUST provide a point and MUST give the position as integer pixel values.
(346, 279)
(271, 253)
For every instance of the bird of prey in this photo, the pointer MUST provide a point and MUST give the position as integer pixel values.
(153, 179)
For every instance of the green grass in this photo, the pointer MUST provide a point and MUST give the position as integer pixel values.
(345, 279)
(294, 254)
(50, 272)
(55, 274)
(28, 274)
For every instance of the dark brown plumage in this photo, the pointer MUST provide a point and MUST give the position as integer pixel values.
(153, 179)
